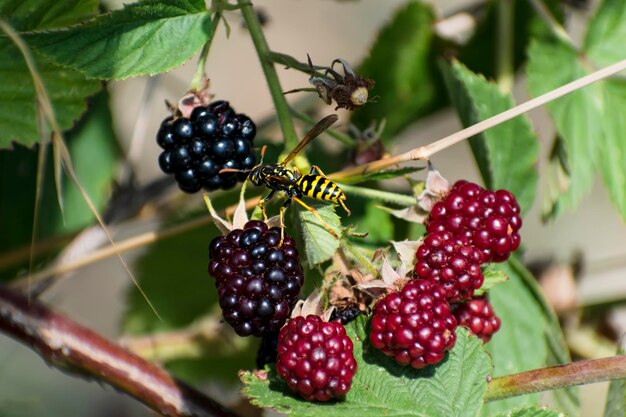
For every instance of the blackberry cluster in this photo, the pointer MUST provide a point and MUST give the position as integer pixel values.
(257, 281)
(415, 325)
(197, 148)
(489, 219)
(452, 262)
(315, 358)
(478, 316)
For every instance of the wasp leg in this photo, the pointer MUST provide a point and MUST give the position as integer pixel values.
(282, 222)
(264, 200)
(317, 215)
(316, 170)
(344, 206)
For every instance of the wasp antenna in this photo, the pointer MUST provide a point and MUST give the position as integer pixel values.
(263, 152)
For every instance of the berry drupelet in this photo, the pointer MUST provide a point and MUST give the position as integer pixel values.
(489, 219)
(315, 358)
(478, 316)
(414, 325)
(195, 149)
(257, 281)
(452, 262)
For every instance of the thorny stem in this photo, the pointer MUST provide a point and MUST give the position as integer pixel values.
(505, 67)
(426, 151)
(263, 51)
(74, 349)
(561, 376)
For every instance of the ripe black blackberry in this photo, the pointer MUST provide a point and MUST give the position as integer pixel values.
(268, 349)
(490, 219)
(257, 281)
(345, 315)
(414, 325)
(316, 358)
(478, 316)
(452, 262)
(195, 149)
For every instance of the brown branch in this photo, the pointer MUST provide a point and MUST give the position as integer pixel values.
(77, 350)
(554, 377)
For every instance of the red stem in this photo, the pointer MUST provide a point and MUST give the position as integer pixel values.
(75, 349)
(560, 376)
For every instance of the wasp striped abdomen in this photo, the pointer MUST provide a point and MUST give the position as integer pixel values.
(320, 188)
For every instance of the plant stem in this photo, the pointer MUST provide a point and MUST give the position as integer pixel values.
(505, 69)
(561, 376)
(387, 196)
(72, 348)
(196, 82)
(263, 51)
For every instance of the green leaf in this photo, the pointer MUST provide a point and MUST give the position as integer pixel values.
(532, 412)
(144, 38)
(400, 61)
(319, 244)
(566, 399)
(25, 15)
(616, 398)
(383, 388)
(506, 154)
(592, 134)
(66, 88)
(94, 151)
(577, 116)
(384, 174)
(520, 344)
(604, 42)
(493, 277)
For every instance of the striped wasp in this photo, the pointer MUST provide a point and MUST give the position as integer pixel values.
(278, 177)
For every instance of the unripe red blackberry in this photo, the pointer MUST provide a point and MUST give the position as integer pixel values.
(452, 262)
(195, 149)
(478, 316)
(315, 358)
(490, 219)
(257, 282)
(414, 325)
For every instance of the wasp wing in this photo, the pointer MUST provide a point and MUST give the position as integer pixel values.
(315, 131)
